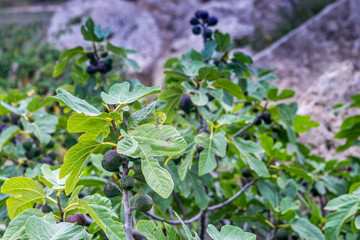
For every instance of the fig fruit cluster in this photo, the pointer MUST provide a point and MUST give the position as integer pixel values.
(201, 23)
(102, 64)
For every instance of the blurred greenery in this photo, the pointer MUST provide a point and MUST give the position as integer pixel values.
(25, 59)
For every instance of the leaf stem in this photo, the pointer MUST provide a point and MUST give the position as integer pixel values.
(211, 208)
(59, 205)
(51, 199)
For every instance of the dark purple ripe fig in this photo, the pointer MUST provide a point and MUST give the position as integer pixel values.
(201, 14)
(196, 30)
(186, 103)
(267, 117)
(111, 190)
(36, 151)
(112, 161)
(245, 172)
(27, 145)
(90, 55)
(104, 54)
(46, 160)
(199, 148)
(258, 120)
(91, 69)
(143, 203)
(101, 68)
(52, 155)
(212, 21)
(51, 144)
(194, 21)
(77, 218)
(246, 136)
(14, 118)
(29, 155)
(127, 183)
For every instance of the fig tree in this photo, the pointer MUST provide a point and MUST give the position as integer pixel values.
(112, 161)
(127, 183)
(111, 190)
(143, 203)
(77, 218)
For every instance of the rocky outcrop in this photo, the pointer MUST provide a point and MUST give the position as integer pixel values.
(132, 27)
(319, 60)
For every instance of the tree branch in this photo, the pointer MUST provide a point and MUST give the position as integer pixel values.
(211, 208)
(241, 131)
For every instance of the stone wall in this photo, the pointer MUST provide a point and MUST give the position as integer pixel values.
(320, 61)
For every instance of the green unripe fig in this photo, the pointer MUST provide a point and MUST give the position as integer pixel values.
(112, 161)
(5, 118)
(111, 190)
(27, 145)
(143, 203)
(127, 183)
(137, 168)
(140, 177)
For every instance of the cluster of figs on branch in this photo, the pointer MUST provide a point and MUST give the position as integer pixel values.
(111, 162)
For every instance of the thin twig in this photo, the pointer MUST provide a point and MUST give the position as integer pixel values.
(211, 208)
(177, 200)
(60, 208)
(251, 124)
(246, 127)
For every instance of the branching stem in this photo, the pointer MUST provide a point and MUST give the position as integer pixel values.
(211, 208)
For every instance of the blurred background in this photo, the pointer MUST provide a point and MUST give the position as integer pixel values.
(314, 45)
